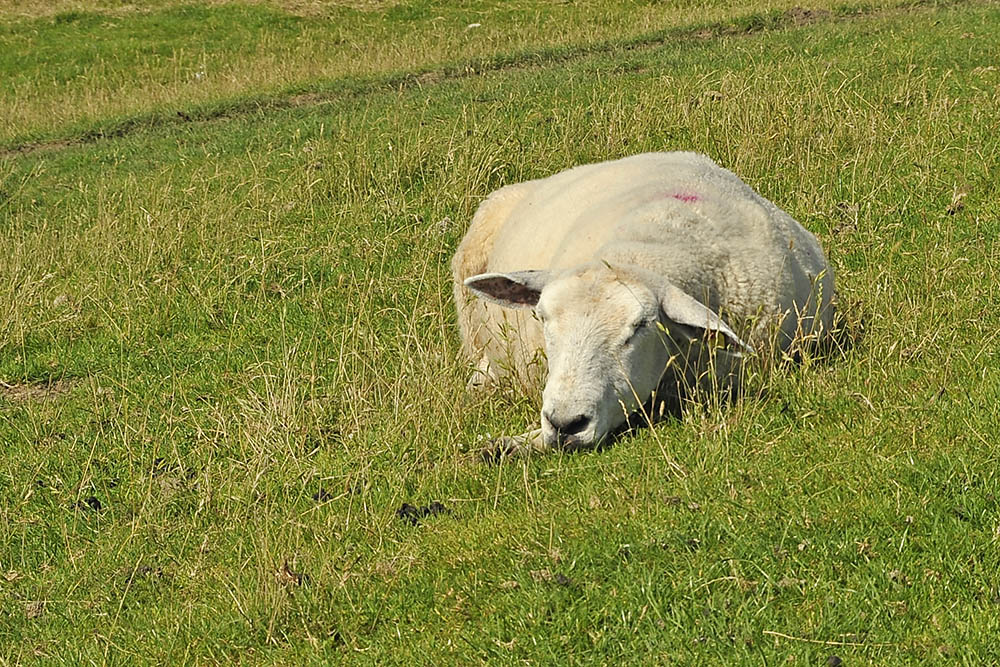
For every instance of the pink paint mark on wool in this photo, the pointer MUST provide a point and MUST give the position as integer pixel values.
(686, 197)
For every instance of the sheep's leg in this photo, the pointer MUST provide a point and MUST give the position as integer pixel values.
(530, 442)
(482, 377)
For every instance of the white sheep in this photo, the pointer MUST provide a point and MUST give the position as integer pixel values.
(634, 277)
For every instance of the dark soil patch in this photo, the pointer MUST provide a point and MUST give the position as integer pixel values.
(412, 514)
(90, 503)
(286, 576)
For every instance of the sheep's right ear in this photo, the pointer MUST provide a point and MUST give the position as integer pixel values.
(519, 289)
(678, 306)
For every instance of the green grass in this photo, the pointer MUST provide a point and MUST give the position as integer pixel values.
(236, 335)
(84, 71)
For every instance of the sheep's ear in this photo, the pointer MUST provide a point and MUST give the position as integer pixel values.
(679, 307)
(519, 289)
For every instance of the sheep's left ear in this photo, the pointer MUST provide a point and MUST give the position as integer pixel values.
(518, 289)
(680, 307)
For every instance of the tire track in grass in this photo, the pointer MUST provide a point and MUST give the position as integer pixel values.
(357, 87)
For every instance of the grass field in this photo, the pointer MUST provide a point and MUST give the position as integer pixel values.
(228, 353)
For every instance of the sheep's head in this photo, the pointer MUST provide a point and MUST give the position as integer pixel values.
(610, 335)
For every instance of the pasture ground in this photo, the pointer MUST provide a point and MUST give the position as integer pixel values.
(228, 355)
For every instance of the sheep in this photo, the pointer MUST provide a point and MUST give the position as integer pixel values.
(628, 280)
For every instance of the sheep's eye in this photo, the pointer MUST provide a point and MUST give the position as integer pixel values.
(637, 329)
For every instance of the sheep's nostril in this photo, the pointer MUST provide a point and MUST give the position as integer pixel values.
(570, 426)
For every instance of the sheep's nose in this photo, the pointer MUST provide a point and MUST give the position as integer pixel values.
(571, 426)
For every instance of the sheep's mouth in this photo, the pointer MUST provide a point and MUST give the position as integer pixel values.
(653, 410)
(632, 423)
(571, 443)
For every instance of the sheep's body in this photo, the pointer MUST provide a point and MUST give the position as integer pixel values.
(678, 216)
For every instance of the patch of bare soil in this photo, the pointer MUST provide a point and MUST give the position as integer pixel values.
(802, 16)
(305, 99)
(35, 391)
(40, 147)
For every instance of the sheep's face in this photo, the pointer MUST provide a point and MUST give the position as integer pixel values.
(605, 354)
(610, 336)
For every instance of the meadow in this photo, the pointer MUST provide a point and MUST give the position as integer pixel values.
(228, 351)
